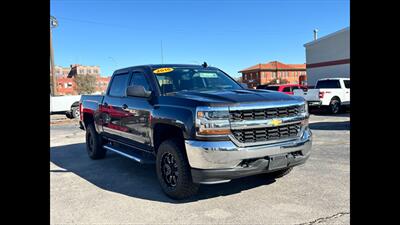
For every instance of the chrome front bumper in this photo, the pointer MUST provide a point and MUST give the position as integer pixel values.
(227, 155)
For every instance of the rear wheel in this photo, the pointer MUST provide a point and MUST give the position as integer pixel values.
(75, 112)
(334, 106)
(173, 170)
(94, 143)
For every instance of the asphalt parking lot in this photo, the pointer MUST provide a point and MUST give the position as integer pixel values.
(117, 190)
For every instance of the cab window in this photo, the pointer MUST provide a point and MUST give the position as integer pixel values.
(118, 85)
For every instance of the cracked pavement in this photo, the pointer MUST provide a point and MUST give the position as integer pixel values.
(116, 190)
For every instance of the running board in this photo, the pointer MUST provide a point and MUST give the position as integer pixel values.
(129, 154)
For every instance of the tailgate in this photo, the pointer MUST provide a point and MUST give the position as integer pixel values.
(309, 95)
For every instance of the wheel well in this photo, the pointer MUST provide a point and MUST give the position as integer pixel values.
(87, 119)
(162, 132)
(335, 98)
(75, 104)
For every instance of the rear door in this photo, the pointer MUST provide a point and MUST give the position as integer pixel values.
(136, 124)
(111, 110)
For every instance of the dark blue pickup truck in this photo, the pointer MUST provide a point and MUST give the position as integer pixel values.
(196, 124)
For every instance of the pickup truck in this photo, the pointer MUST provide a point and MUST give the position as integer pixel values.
(285, 88)
(329, 93)
(197, 125)
(68, 104)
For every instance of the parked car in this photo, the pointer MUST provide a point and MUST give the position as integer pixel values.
(285, 88)
(197, 125)
(330, 93)
(68, 104)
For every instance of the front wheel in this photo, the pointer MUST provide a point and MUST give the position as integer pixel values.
(173, 170)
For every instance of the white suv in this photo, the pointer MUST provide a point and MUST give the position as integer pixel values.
(332, 92)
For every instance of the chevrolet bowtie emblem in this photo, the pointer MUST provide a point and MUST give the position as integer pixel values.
(275, 122)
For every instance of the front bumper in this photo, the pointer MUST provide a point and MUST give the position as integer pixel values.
(221, 161)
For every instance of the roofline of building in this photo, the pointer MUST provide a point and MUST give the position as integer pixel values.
(326, 36)
(258, 69)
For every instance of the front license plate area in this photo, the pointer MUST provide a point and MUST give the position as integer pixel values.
(277, 162)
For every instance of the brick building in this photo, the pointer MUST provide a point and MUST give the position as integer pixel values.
(265, 73)
(65, 78)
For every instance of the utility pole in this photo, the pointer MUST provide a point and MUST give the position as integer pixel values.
(53, 24)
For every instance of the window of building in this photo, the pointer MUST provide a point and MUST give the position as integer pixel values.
(81, 71)
(89, 71)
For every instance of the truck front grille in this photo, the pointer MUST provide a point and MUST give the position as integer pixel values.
(260, 114)
(267, 133)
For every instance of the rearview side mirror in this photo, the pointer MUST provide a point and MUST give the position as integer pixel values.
(137, 91)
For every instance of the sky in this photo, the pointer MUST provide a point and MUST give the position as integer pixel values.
(229, 34)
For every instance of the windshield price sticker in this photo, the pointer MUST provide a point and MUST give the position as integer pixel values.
(208, 75)
(163, 70)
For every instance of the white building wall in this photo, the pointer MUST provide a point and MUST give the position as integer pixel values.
(332, 47)
(313, 74)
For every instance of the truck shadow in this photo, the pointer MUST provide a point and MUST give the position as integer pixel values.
(345, 112)
(121, 175)
(341, 125)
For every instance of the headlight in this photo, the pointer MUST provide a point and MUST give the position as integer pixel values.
(212, 121)
(304, 108)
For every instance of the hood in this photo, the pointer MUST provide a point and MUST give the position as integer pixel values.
(233, 97)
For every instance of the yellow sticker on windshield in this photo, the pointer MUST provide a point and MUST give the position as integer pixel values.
(163, 70)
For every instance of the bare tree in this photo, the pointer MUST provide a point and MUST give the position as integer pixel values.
(239, 79)
(85, 84)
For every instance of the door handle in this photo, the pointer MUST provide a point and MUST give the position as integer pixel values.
(124, 106)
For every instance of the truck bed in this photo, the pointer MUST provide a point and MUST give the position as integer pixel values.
(90, 103)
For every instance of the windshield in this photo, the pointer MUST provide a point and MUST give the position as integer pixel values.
(272, 88)
(177, 79)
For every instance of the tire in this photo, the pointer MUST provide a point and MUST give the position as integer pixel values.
(334, 106)
(279, 173)
(69, 115)
(173, 170)
(75, 112)
(94, 143)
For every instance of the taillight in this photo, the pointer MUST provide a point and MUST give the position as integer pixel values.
(321, 94)
(80, 111)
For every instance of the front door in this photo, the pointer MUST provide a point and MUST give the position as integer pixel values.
(137, 123)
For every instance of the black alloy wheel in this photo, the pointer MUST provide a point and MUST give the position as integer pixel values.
(169, 169)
